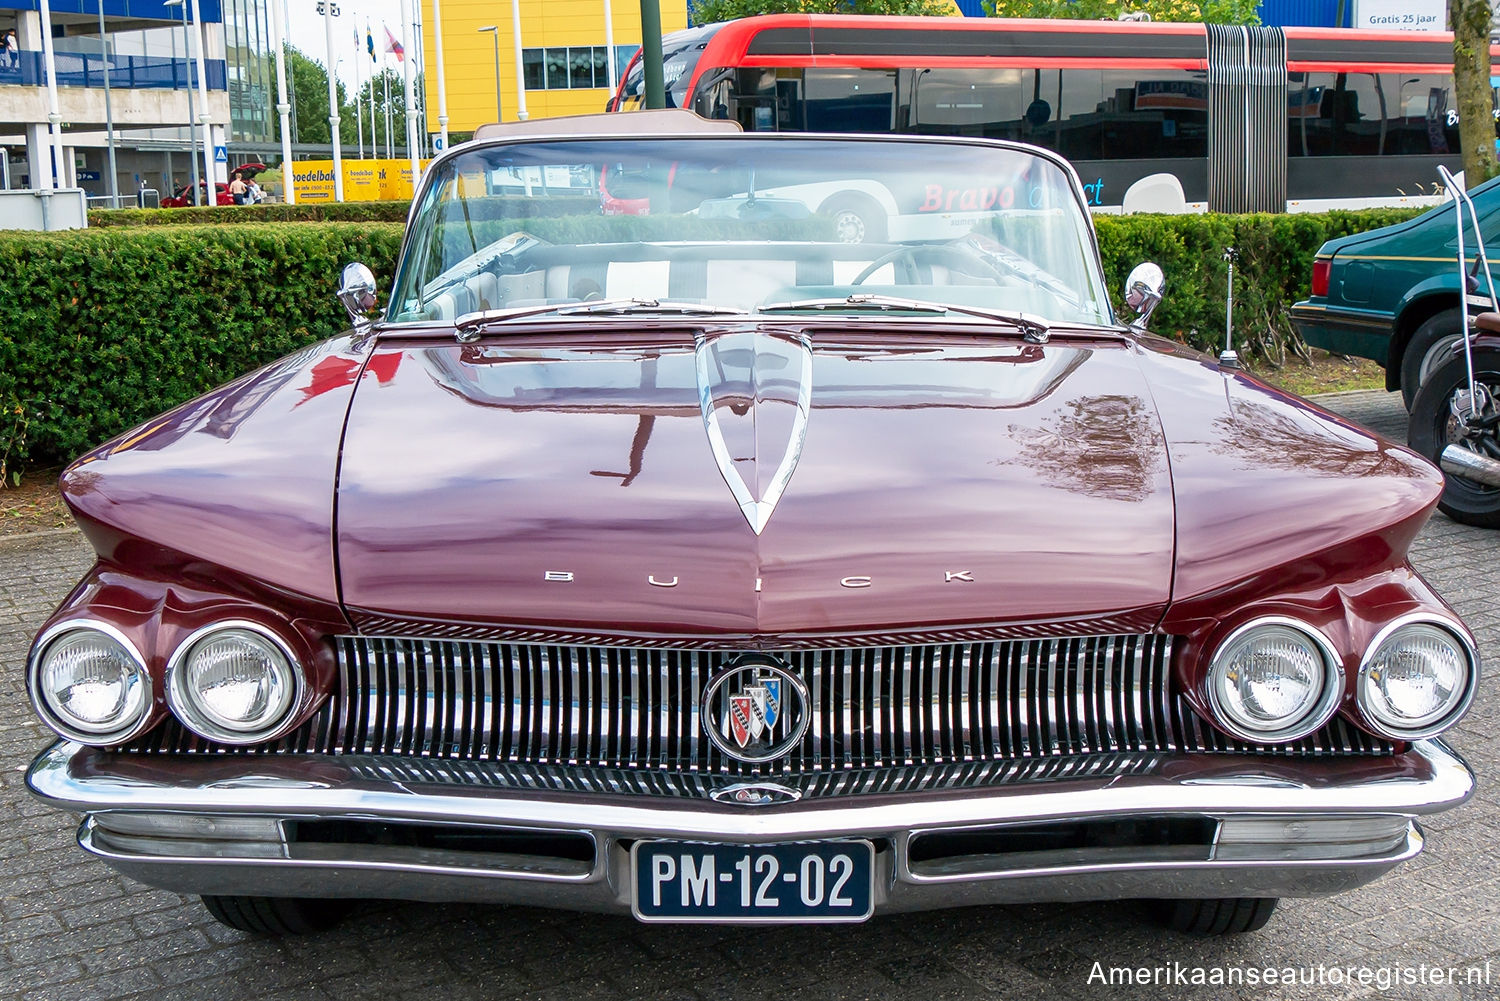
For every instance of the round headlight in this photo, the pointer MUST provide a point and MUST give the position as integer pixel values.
(232, 683)
(1416, 680)
(1274, 680)
(90, 685)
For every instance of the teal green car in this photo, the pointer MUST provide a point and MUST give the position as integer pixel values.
(1391, 295)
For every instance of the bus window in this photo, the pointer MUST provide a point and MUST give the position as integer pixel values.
(1370, 114)
(844, 100)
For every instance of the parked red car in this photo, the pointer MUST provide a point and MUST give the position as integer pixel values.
(703, 566)
(182, 197)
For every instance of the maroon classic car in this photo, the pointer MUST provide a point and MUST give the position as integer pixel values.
(704, 563)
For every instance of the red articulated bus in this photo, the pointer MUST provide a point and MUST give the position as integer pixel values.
(1246, 119)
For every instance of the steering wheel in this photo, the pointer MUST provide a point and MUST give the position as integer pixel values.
(955, 255)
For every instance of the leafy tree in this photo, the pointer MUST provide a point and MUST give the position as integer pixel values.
(308, 90)
(710, 11)
(372, 94)
(1208, 11)
(1470, 20)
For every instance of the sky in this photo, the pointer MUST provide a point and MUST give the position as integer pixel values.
(305, 31)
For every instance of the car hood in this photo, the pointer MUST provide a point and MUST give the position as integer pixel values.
(573, 482)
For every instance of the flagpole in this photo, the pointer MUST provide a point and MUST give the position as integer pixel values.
(412, 153)
(385, 81)
(283, 107)
(437, 25)
(359, 118)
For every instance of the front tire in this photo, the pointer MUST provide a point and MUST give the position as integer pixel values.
(275, 916)
(1430, 346)
(1434, 425)
(1216, 916)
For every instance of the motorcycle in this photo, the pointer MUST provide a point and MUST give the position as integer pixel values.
(1455, 416)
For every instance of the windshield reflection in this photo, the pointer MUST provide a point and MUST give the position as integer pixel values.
(749, 222)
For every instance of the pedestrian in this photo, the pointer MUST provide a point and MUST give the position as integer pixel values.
(237, 188)
(256, 194)
(9, 51)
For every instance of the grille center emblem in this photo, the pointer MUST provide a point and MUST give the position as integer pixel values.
(756, 709)
(755, 390)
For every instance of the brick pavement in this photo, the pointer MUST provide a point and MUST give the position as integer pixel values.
(72, 930)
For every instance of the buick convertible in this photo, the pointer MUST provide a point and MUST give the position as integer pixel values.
(669, 544)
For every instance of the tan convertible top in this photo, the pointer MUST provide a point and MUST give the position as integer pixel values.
(661, 120)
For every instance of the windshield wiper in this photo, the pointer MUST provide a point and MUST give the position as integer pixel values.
(1032, 327)
(468, 326)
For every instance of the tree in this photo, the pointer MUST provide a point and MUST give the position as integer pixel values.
(1470, 20)
(309, 98)
(1206, 11)
(372, 95)
(710, 11)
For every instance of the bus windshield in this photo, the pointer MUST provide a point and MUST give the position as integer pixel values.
(749, 223)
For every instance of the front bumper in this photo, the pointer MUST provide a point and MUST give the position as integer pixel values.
(318, 826)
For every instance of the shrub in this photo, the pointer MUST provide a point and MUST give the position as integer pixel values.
(492, 207)
(100, 329)
(1273, 271)
(222, 214)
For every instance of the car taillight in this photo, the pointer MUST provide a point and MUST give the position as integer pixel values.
(1321, 268)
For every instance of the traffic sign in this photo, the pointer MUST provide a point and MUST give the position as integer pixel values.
(437, 142)
(221, 154)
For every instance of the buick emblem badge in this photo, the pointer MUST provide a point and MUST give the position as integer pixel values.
(755, 709)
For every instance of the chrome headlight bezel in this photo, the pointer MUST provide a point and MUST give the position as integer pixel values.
(1322, 707)
(182, 698)
(1386, 726)
(141, 717)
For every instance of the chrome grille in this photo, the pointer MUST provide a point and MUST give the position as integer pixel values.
(872, 707)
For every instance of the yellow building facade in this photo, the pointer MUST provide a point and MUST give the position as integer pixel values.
(563, 50)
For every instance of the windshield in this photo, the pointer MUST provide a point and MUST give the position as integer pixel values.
(750, 224)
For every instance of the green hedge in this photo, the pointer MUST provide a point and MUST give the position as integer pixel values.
(219, 214)
(1273, 271)
(486, 209)
(100, 329)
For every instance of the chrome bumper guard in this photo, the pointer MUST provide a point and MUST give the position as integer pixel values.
(322, 826)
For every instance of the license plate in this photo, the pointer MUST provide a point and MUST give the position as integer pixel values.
(817, 881)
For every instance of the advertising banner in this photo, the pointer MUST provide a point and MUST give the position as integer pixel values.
(364, 180)
(1400, 15)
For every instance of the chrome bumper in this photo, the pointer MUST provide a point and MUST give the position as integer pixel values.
(227, 825)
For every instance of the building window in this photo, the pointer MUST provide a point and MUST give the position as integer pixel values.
(573, 67)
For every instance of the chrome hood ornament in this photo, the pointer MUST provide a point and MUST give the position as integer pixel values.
(755, 389)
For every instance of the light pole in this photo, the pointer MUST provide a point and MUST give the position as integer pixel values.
(188, 69)
(515, 20)
(283, 107)
(203, 115)
(437, 24)
(109, 115)
(333, 104)
(494, 30)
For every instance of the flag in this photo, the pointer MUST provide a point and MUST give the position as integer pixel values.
(393, 46)
(369, 42)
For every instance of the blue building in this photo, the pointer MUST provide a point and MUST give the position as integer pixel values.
(144, 46)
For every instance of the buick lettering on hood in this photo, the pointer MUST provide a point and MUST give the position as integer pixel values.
(710, 530)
